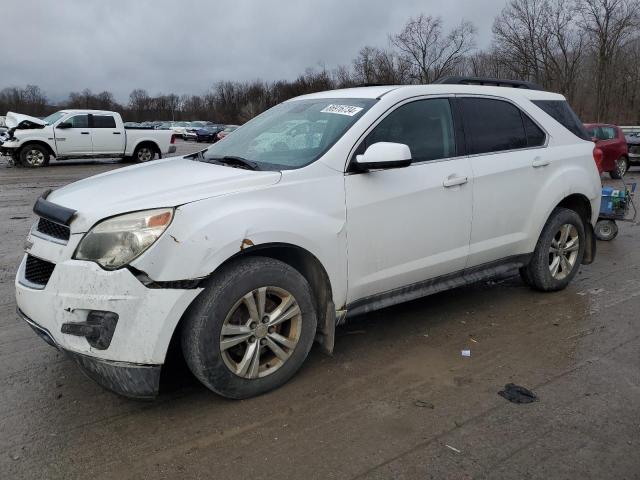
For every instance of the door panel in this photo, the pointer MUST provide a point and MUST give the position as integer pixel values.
(510, 166)
(409, 224)
(405, 226)
(75, 140)
(107, 139)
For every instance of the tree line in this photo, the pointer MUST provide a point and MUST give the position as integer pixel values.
(588, 50)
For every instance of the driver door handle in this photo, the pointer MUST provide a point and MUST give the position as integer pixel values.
(539, 162)
(84, 133)
(452, 181)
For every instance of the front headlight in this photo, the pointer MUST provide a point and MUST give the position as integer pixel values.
(117, 241)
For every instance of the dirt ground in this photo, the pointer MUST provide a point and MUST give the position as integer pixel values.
(396, 400)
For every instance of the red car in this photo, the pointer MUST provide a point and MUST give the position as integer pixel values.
(611, 140)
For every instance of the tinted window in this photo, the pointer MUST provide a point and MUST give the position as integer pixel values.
(561, 112)
(426, 126)
(535, 136)
(492, 125)
(104, 121)
(608, 133)
(79, 121)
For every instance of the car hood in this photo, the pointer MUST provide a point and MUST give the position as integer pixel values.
(18, 121)
(163, 183)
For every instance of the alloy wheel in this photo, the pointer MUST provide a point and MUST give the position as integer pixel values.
(145, 154)
(621, 166)
(563, 252)
(260, 332)
(35, 158)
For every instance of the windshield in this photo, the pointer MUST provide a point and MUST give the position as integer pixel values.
(292, 134)
(54, 117)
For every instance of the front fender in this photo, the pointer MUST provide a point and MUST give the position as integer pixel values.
(308, 214)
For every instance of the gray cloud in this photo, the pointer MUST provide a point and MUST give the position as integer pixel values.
(184, 46)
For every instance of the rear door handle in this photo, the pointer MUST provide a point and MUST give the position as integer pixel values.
(540, 162)
(452, 181)
(116, 133)
(84, 133)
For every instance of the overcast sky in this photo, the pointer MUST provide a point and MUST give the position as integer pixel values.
(184, 46)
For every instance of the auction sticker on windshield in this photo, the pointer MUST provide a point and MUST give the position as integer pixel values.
(342, 109)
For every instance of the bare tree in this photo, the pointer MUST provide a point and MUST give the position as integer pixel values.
(431, 52)
(610, 25)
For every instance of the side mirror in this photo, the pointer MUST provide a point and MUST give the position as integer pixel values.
(64, 125)
(594, 139)
(384, 155)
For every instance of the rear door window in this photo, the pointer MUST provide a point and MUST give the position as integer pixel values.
(562, 113)
(426, 126)
(493, 125)
(104, 121)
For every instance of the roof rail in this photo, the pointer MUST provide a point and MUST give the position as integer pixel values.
(495, 82)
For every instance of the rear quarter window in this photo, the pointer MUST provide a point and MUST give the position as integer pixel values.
(563, 114)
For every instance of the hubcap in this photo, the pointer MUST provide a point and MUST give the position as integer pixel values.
(563, 252)
(260, 332)
(35, 157)
(145, 154)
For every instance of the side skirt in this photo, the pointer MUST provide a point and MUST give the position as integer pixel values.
(437, 284)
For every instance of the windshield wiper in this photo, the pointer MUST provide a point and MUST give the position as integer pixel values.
(237, 162)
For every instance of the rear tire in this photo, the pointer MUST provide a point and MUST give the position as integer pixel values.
(558, 253)
(231, 352)
(144, 153)
(622, 166)
(34, 156)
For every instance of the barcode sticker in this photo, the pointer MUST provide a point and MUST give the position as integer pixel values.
(348, 110)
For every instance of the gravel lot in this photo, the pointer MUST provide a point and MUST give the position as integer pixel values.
(397, 399)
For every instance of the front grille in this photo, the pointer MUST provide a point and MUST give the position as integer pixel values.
(38, 271)
(55, 230)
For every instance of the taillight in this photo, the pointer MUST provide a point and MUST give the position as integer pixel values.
(173, 139)
(597, 157)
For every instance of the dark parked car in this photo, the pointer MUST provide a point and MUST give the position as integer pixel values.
(610, 139)
(208, 133)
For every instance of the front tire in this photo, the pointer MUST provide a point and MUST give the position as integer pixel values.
(34, 156)
(558, 253)
(251, 329)
(622, 165)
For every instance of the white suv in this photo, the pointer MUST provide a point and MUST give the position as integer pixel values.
(247, 252)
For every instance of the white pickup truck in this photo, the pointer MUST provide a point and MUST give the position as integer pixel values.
(68, 134)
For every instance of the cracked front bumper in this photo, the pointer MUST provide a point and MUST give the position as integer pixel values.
(128, 379)
(147, 319)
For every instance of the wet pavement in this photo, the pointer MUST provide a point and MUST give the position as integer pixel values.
(396, 400)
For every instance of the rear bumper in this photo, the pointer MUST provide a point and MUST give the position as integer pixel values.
(128, 379)
(172, 149)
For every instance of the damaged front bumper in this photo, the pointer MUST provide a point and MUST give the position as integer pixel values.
(128, 379)
(80, 302)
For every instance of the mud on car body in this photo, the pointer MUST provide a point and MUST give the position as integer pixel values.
(249, 251)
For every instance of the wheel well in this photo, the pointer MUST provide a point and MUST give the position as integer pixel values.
(314, 272)
(148, 143)
(39, 143)
(581, 205)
